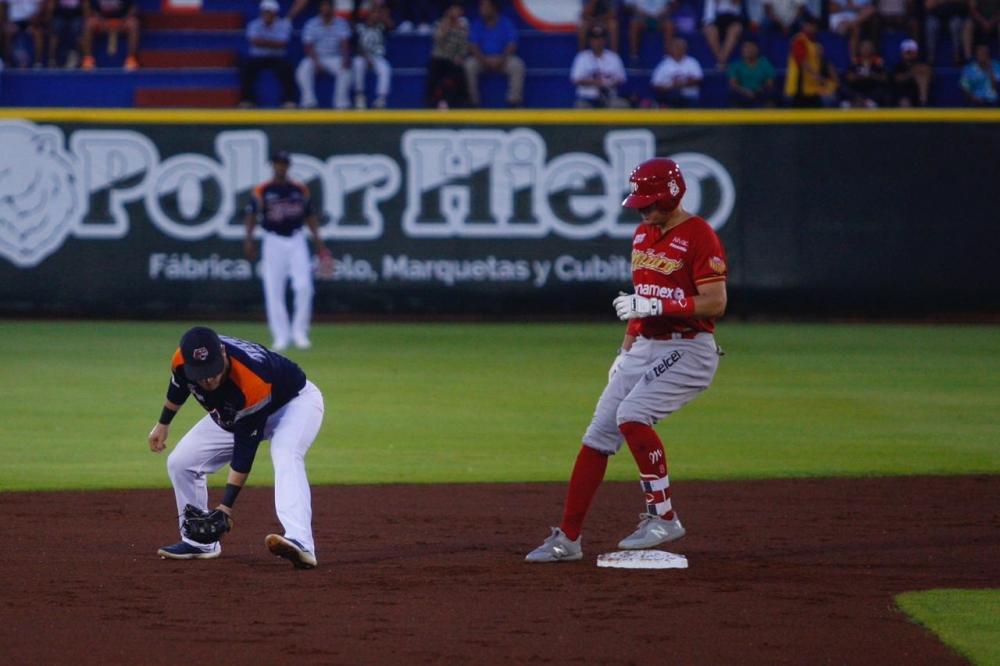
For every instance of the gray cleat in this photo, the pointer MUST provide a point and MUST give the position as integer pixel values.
(557, 548)
(653, 531)
(291, 550)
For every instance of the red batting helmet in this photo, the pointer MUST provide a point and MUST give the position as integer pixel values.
(658, 181)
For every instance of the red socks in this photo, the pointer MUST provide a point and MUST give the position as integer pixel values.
(588, 473)
(647, 449)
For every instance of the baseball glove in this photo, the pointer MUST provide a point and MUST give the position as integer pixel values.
(204, 526)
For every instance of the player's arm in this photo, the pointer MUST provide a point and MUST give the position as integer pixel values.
(250, 223)
(158, 435)
(710, 301)
(234, 484)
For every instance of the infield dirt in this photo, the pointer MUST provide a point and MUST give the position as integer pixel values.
(781, 572)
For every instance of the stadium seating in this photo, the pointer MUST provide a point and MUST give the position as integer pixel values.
(190, 60)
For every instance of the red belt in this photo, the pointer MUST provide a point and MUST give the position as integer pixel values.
(673, 335)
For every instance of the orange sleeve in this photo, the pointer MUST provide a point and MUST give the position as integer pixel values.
(256, 391)
(177, 360)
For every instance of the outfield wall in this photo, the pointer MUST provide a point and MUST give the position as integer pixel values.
(139, 213)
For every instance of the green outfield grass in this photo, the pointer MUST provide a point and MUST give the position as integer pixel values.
(509, 402)
(966, 620)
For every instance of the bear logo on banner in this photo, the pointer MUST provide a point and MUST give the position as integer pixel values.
(41, 199)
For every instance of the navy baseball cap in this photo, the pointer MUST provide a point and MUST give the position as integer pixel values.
(281, 156)
(201, 350)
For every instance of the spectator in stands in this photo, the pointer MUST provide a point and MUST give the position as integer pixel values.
(853, 18)
(783, 16)
(982, 26)
(722, 25)
(830, 89)
(445, 71)
(598, 13)
(597, 73)
(67, 18)
(950, 13)
(910, 79)
(647, 15)
(804, 79)
(980, 78)
(417, 16)
(751, 79)
(25, 19)
(493, 46)
(371, 55)
(326, 40)
(895, 15)
(685, 18)
(866, 82)
(300, 5)
(676, 81)
(268, 36)
(112, 17)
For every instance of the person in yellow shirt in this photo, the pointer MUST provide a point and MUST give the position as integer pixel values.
(804, 80)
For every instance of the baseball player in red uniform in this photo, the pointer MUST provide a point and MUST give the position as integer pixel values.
(283, 206)
(251, 394)
(668, 357)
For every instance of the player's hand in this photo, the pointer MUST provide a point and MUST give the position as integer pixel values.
(325, 266)
(613, 370)
(158, 438)
(633, 306)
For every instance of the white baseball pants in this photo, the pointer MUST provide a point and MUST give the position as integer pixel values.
(383, 75)
(283, 258)
(206, 448)
(654, 380)
(305, 75)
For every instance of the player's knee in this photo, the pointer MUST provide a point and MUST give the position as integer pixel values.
(629, 423)
(176, 465)
(630, 429)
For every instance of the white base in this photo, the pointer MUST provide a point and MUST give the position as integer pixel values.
(642, 559)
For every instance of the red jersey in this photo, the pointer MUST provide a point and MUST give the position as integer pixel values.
(671, 265)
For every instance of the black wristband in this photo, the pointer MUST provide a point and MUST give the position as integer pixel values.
(229, 497)
(167, 415)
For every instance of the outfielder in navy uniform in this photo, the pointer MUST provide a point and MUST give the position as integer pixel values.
(668, 357)
(251, 394)
(283, 206)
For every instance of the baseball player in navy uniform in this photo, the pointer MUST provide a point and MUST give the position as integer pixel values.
(283, 207)
(668, 357)
(251, 394)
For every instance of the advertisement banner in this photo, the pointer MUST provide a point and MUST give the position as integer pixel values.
(146, 219)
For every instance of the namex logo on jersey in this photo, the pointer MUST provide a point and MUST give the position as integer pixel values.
(476, 184)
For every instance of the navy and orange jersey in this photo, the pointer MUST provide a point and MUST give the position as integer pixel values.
(283, 206)
(671, 265)
(259, 383)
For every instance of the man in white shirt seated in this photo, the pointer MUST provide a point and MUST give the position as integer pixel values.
(597, 72)
(326, 40)
(677, 79)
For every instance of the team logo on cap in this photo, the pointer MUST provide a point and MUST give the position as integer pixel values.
(674, 188)
(200, 354)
